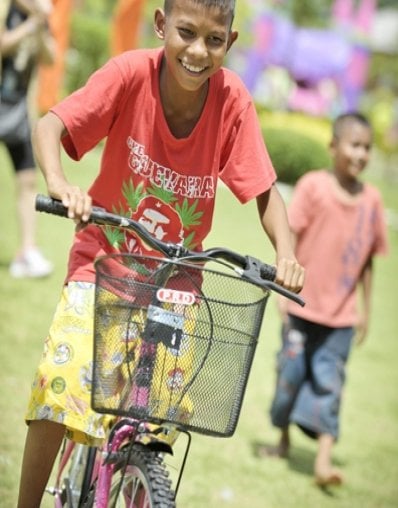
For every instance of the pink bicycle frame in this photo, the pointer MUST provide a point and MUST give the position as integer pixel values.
(105, 471)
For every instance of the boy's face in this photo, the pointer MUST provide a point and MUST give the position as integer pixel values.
(351, 149)
(196, 40)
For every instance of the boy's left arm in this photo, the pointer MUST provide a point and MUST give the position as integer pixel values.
(365, 282)
(273, 216)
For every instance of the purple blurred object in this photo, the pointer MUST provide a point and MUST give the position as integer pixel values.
(312, 55)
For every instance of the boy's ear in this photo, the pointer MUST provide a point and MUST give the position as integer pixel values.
(159, 23)
(233, 35)
(332, 146)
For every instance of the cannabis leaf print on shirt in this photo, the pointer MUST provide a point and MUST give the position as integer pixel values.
(158, 210)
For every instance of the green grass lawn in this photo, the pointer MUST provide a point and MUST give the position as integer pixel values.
(221, 472)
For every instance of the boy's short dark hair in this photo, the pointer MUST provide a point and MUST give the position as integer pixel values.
(352, 116)
(228, 5)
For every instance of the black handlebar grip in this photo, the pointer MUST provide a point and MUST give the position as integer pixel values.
(50, 205)
(268, 272)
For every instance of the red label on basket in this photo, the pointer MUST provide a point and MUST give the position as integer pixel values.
(175, 296)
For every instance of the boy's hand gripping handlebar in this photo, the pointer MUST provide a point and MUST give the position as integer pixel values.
(248, 267)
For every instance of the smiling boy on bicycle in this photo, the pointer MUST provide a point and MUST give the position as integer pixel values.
(175, 122)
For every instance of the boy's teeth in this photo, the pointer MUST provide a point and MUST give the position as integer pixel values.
(192, 68)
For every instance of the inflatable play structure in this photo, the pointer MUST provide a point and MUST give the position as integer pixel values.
(319, 72)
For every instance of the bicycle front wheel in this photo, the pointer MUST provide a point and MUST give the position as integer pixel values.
(143, 483)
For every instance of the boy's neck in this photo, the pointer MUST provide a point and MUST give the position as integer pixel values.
(182, 110)
(351, 186)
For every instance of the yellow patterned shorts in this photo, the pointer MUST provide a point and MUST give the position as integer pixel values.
(61, 390)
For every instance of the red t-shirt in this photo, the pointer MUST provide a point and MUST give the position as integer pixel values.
(165, 183)
(334, 240)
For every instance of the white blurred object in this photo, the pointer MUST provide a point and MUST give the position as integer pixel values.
(227, 494)
(31, 263)
(384, 33)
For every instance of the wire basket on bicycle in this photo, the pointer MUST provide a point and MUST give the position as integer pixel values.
(173, 341)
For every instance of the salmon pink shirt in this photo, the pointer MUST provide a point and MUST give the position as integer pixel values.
(335, 238)
(167, 184)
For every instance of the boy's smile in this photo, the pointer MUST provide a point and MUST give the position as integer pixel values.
(196, 40)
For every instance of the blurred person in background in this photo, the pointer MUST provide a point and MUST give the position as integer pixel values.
(25, 40)
(338, 226)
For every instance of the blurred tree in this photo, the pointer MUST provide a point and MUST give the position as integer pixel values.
(317, 14)
(310, 13)
(387, 3)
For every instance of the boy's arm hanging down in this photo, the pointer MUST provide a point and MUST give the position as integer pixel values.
(365, 286)
(274, 220)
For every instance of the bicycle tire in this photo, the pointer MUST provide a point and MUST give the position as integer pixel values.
(145, 475)
(145, 483)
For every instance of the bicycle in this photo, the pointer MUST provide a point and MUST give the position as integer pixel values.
(174, 342)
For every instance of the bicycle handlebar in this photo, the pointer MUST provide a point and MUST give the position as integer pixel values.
(249, 267)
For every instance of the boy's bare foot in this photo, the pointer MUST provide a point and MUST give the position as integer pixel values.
(328, 476)
(281, 450)
(277, 451)
(325, 473)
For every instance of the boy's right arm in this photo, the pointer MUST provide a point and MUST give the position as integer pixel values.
(273, 215)
(46, 140)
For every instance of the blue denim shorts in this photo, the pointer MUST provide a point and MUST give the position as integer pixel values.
(310, 377)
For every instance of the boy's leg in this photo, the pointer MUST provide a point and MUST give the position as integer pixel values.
(290, 376)
(325, 473)
(28, 262)
(317, 408)
(281, 449)
(26, 191)
(21, 155)
(42, 444)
